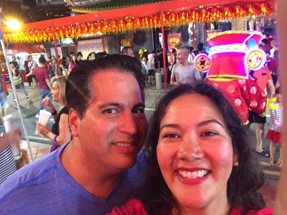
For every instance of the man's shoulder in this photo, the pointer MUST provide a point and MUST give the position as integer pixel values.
(40, 70)
(30, 175)
(185, 66)
(138, 171)
(41, 180)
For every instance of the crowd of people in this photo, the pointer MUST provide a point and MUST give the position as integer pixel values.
(196, 159)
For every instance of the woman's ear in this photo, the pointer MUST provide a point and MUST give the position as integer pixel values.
(235, 159)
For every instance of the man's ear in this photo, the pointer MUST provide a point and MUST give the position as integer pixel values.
(74, 122)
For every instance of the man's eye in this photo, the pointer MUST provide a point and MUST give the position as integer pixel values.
(110, 110)
(138, 110)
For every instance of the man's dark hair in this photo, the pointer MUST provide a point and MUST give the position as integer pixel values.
(78, 88)
(42, 59)
(245, 179)
(200, 46)
(264, 41)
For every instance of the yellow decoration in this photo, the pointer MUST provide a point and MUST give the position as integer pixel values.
(200, 14)
(271, 105)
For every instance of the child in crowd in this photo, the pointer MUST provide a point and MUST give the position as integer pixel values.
(274, 132)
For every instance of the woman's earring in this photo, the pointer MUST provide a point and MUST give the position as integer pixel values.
(236, 163)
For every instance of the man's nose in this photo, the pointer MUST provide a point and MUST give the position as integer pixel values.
(128, 124)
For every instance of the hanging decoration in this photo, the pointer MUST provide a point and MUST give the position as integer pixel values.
(129, 23)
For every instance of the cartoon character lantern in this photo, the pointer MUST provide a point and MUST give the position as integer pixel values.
(232, 55)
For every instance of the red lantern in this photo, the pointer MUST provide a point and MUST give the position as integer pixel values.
(269, 9)
(156, 21)
(129, 23)
(121, 25)
(183, 17)
(257, 10)
(137, 23)
(243, 11)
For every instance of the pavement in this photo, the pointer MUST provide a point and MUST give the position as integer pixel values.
(152, 94)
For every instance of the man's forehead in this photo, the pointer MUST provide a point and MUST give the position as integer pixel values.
(183, 51)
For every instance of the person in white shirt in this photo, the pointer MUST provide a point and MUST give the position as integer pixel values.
(31, 66)
(184, 72)
(151, 68)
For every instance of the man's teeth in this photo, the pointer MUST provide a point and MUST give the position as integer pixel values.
(193, 174)
(123, 144)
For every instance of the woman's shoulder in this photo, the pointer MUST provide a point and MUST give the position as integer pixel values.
(64, 110)
(263, 211)
(133, 206)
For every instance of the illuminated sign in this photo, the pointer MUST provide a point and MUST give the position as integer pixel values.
(173, 40)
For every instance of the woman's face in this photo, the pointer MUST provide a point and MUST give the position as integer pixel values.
(279, 97)
(56, 91)
(195, 154)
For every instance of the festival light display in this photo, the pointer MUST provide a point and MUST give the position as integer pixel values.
(232, 57)
(133, 23)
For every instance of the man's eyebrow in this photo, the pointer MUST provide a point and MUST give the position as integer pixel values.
(104, 105)
(116, 104)
(139, 104)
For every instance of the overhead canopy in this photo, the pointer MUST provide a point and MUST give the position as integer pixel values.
(17, 48)
(169, 13)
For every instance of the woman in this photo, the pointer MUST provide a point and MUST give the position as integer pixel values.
(72, 63)
(60, 132)
(53, 66)
(200, 161)
(18, 82)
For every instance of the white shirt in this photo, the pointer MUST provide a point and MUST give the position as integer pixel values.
(185, 74)
(150, 62)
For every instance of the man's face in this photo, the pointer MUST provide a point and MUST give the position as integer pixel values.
(182, 55)
(130, 52)
(112, 130)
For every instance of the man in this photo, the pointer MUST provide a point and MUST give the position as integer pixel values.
(31, 64)
(14, 61)
(126, 50)
(42, 75)
(183, 72)
(92, 173)
(151, 68)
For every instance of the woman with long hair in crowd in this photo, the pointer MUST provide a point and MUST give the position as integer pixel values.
(60, 132)
(199, 159)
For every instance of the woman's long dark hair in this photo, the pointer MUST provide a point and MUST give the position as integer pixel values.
(245, 179)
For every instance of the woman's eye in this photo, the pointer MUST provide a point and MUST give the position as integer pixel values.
(209, 133)
(171, 136)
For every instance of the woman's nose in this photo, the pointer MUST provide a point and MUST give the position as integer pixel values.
(190, 149)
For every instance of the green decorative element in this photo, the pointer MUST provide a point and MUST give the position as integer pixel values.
(114, 4)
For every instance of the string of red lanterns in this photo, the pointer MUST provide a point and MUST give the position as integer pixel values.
(131, 24)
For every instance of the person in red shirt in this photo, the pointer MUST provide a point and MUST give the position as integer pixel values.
(42, 75)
